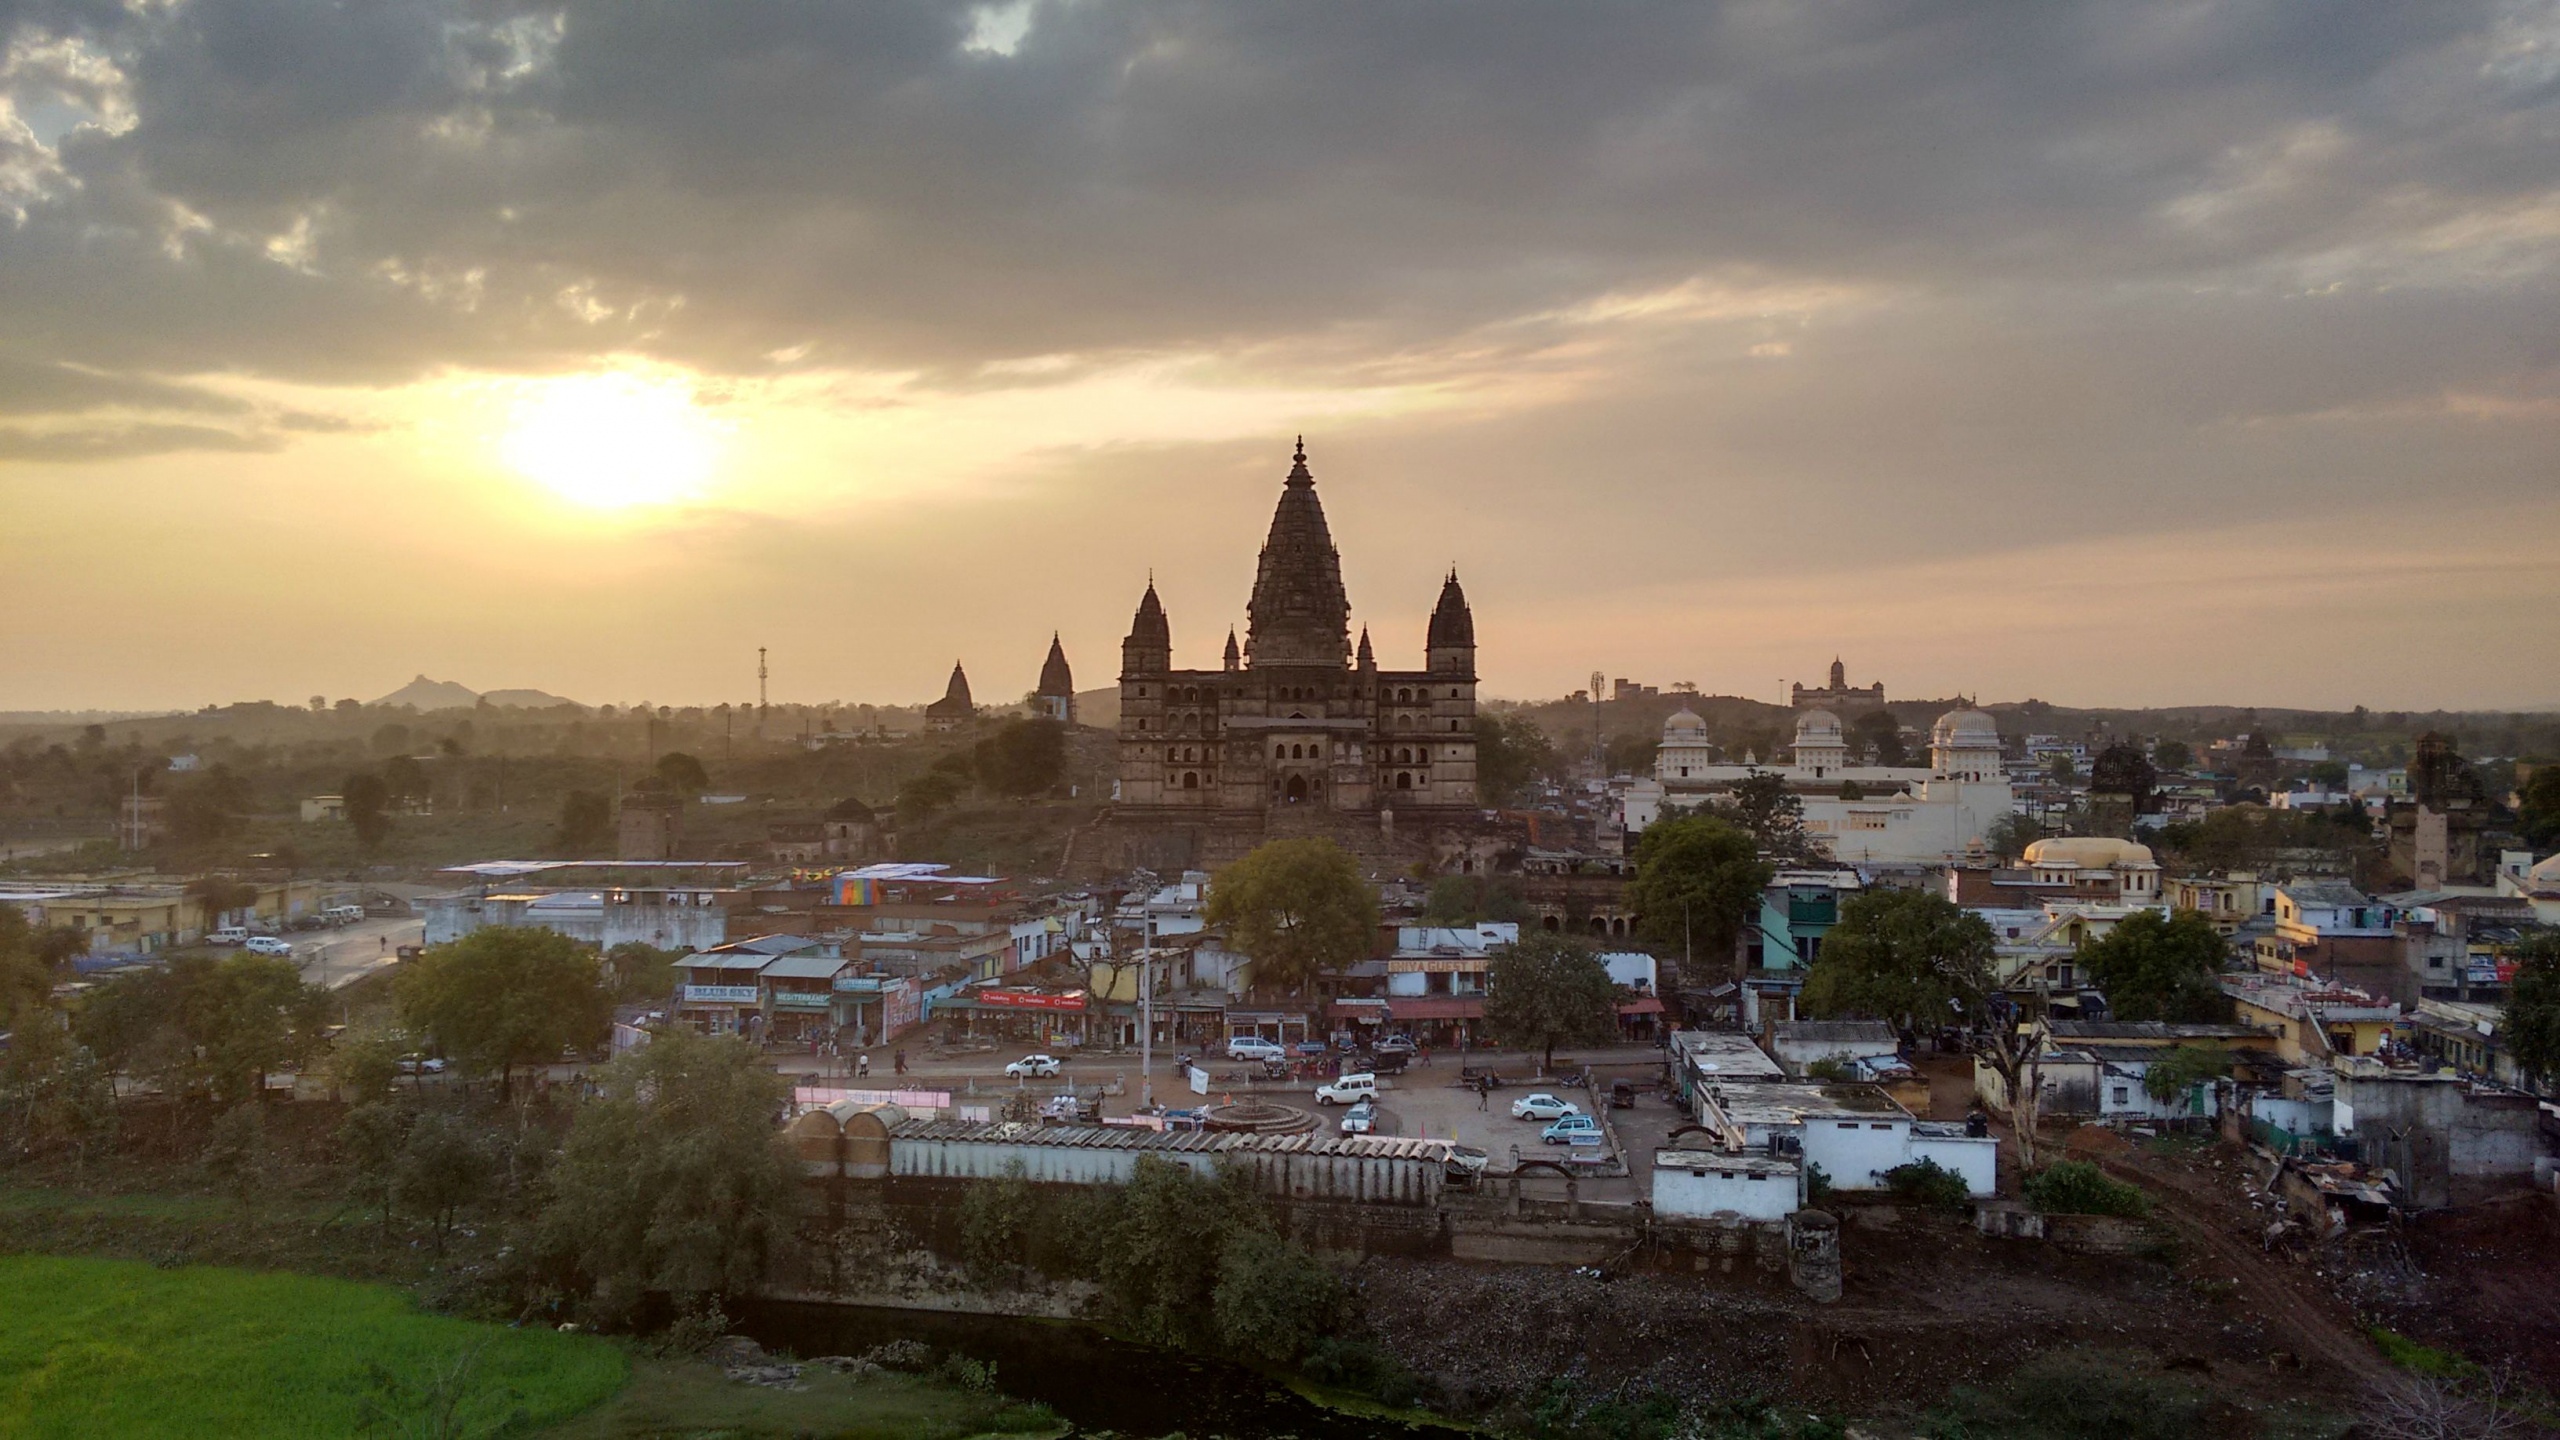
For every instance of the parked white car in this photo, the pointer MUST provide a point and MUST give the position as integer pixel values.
(228, 935)
(1033, 1067)
(1254, 1047)
(1360, 1119)
(1542, 1106)
(268, 945)
(1348, 1090)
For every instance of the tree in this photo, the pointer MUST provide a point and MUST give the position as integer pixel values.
(2538, 812)
(2183, 1069)
(640, 972)
(674, 1181)
(2172, 755)
(369, 1141)
(1513, 754)
(920, 798)
(405, 778)
(1698, 878)
(2061, 770)
(586, 823)
(1546, 991)
(364, 1061)
(367, 797)
(2011, 834)
(1769, 811)
(216, 896)
(2328, 774)
(2013, 1049)
(202, 1027)
(2122, 769)
(2156, 967)
(1298, 907)
(1022, 757)
(498, 998)
(1631, 753)
(1878, 736)
(444, 1165)
(1907, 956)
(209, 807)
(1273, 1300)
(1157, 1247)
(2533, 1007)
(682, 774)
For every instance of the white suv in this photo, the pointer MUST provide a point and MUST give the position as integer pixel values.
(1254, 1047)
(268, 945)
(1346, 1089)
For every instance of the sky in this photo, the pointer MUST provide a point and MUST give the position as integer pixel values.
(2110, 354)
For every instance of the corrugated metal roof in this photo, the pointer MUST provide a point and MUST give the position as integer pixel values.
(805, 967)
(1115, 1137)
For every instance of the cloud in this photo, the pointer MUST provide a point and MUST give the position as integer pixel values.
(95, 443)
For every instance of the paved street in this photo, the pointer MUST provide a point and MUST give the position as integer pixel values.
(334, 959)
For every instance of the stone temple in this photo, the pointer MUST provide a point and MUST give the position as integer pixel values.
(1298, 720)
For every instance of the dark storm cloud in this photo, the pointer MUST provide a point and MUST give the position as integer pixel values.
(479, 183)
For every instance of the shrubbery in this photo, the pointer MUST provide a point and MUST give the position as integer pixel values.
(1929, 1183)
(2076, 1187)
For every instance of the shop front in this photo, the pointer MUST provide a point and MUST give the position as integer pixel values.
(1440, 1021)
(1285, 1026)
(1038, 1019)
(720, 1009)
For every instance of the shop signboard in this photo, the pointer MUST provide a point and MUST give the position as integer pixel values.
(719, 994)
(1029, 1000)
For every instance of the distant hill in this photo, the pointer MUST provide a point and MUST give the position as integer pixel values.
(426, 694)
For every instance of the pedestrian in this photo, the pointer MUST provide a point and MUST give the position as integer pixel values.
(384, 941)
(900, 1060)
(1484, 1096)
(862, 1065)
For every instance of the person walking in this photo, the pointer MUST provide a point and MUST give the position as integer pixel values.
(1484, 1096)
(862, 1065)
(899, 1059)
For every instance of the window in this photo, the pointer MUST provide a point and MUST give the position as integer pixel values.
(1881, 1125)
(1848, 1124)
(2123, 1094)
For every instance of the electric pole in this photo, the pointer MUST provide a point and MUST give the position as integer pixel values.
(764, 702)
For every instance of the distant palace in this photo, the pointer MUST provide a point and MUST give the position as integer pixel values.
(1298, 717)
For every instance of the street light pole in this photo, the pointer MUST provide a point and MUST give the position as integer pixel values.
(1147, 1027)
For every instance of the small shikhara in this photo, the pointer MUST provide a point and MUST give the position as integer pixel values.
(1299, 716)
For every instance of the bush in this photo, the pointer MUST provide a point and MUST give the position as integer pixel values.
(2076, 1187)
(1361, 1365)
(1928, 1183)
(1817, 1185)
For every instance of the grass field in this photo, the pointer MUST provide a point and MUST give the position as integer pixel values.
(116, 1347)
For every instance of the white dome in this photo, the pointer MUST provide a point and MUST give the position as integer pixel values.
(1965, 730)
(1683, 721)
(2088, 852)
(1817, 725)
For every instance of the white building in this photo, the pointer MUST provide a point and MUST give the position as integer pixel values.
(1926, 815)
(1446, 959)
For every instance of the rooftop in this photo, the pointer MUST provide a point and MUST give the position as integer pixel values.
(1790, 1103)
(1719, 1161)
(1119, 1137)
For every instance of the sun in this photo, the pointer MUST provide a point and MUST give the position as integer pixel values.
(612, 441)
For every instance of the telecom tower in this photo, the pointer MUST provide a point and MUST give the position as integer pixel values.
(763, 702)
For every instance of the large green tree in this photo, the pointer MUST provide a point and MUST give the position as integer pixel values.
(586, 823)
(2159, 967)
(1906, 956)
(204, 1027)
(675, 1181)
(1769, 811)
(367, 797)
(1300, 908)
(1546, 991)
(682, 774)
(1513, 754)
(1466, 899)
(1022, 757)
(1698, 881)
(498, 998)
(2532, 1029)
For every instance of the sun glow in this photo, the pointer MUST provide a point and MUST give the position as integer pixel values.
(612, 441)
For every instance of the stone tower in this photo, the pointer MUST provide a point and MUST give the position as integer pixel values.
(1055, 698)
(1299, 614)
(955, 708)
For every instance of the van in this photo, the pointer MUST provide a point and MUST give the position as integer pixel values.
(228, 935)
(343, 914)
(1254, 1047)
(1347, 1089)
